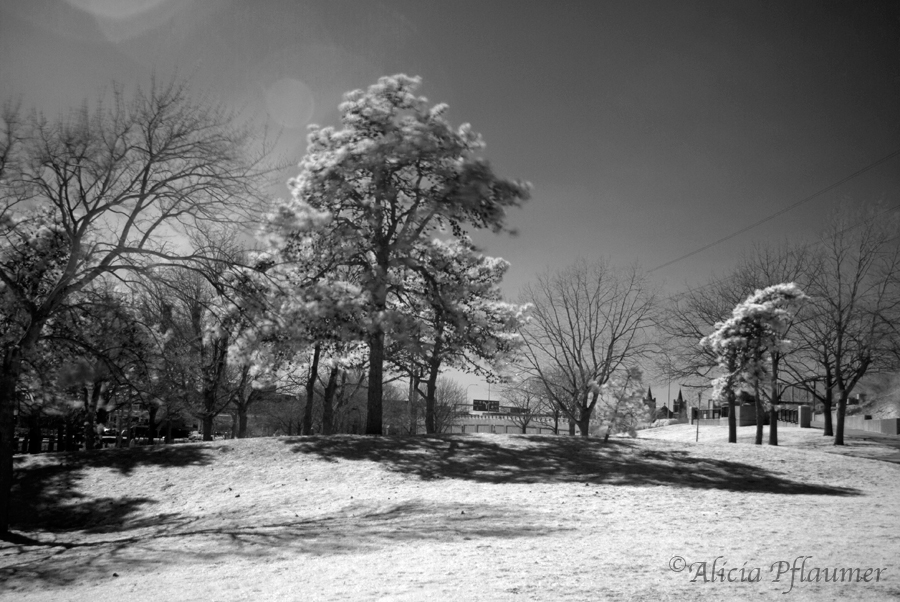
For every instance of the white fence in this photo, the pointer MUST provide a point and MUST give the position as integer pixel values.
(885, 426)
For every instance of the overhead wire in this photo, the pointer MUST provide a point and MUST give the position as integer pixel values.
(804, 246)
(780, 212)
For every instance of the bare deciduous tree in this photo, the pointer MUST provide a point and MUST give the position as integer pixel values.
(587, 322)
(449, 404)
(854, 310)
(526, 401)
(103, 193)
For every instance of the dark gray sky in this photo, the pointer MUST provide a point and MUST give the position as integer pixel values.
(648, 128)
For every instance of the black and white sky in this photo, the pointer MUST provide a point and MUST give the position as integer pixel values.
(648, 128)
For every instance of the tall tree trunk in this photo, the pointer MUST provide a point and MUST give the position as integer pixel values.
(8, 378)
(828, 430)
(10, 370)
(242, 421)
(584, 425)
(374, 414)
(328, 401)
(375, 394)
(827, 405)
(306, 420)
(306, 427)
(828, 402)
(760, 415)
(730, 397)
(434, 369)
(584, 420)
(732, 419)
(207, 422)
(773, 425)
(412, 402)
(774, 398)
(841, 414)
(35, 436)
(209, 408)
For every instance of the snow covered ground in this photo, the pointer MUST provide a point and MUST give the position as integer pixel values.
(460, 517)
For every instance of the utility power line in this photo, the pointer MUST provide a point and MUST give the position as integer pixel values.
(817, 194)
(806, 245)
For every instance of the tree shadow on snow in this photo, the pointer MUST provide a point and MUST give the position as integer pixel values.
(181, 539)
(48, 491)
(552, 459)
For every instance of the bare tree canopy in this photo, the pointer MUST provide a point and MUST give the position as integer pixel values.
(527, 401)
(587, 322)
(692, 315)
(851, 329)
(108, 192)
(845, 331)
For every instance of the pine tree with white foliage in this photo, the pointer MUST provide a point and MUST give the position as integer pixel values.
(749, 346)
(393, 177)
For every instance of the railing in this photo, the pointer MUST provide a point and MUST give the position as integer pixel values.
(500, 429)
(885, 426)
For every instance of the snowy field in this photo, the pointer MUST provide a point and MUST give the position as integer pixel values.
(462, 517)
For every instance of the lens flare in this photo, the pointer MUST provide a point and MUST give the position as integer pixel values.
(289, 102)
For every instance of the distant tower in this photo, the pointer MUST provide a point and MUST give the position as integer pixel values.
(678, 406)
(650, 402)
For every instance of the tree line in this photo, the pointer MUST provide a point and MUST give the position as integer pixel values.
(840, 328)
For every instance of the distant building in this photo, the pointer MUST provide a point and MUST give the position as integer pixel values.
(678, 411)
(650, 402)
(679, 405)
